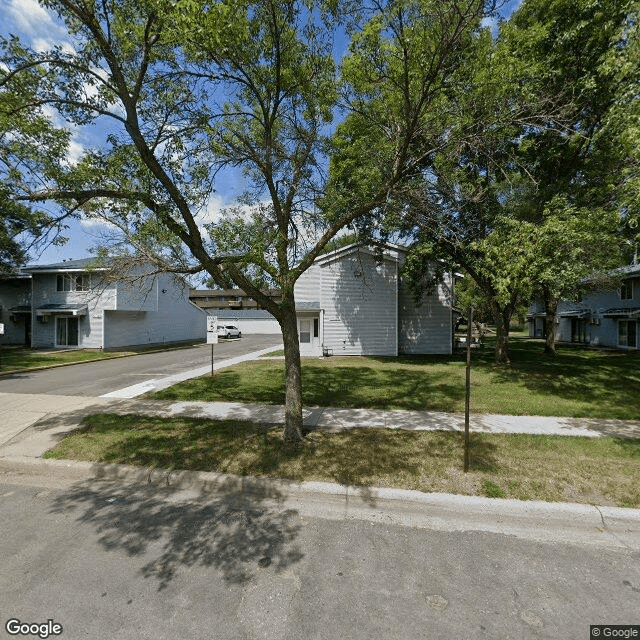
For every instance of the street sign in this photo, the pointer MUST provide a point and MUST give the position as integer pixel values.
(1, 328)
(212, 329)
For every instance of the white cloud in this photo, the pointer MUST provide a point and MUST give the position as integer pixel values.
(29, 16)
(212, 212)
(96, 224)
(76, 149)
(38, 24)
(216, 205)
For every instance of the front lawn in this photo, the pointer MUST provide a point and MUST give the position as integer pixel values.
(555, 468)
(576, 383)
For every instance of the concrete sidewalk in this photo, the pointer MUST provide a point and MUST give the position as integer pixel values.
(31, 424)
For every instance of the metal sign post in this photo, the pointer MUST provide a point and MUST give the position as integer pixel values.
(212, 335)
(467, 395)
(1, 334)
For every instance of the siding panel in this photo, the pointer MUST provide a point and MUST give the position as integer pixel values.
(176, 319)
(359, 300)
(426, 328)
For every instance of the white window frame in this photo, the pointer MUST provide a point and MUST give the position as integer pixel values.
(309, 333)
(73, 282)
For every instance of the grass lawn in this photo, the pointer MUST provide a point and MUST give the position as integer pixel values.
(576, 383)
(273, 354)
(553, 468)
(13, 358)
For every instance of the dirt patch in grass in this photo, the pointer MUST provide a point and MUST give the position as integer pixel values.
(524, 467)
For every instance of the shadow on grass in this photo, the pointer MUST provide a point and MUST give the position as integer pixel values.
(359, 457)
(231, 531)
(482, 454)
(595, 377)
(329, 385)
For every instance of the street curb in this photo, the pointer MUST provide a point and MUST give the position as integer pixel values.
(69, 364)
(277, 488)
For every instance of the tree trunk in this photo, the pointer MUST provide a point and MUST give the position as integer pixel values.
(551, 310)
(502, 336)
(292, 433)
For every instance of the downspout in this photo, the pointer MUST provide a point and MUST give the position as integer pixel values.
(33, 319)
(452, 301)
(321, 336)
(397, 313)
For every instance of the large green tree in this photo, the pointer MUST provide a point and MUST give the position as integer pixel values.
(544, 176)
(31, 151)
(191, 88)
(577, 195)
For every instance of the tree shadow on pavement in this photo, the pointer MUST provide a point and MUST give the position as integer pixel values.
(231, 530)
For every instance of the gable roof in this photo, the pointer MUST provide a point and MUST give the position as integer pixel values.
(69, 265)
(388, 251)
(629, 270)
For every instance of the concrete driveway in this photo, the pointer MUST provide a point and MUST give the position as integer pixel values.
(94, 379)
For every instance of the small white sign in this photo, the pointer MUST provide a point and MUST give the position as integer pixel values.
(212, 329)
(1, 328)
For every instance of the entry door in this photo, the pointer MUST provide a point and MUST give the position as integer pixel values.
(67, 332)
(578, 330)
(309, 331)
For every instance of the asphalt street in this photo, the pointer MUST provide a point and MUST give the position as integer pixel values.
(94, 379)
(108, 561)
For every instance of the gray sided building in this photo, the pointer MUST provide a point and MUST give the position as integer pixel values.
(606, 316)
(354, 302)
(77, 304)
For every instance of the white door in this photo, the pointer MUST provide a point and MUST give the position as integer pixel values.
(309, 334)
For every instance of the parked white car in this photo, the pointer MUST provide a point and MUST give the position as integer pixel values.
(229, 331)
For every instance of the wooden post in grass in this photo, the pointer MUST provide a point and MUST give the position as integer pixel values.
(212, 360)
(467, 394)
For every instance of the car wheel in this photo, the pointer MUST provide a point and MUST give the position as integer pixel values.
(228, 335)
(239, 334)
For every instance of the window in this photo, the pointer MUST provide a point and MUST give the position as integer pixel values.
(64, 282)
(82, 282)
(627, 333)
(626, 290)
(305, 331)
(67, 332)
(72, 282)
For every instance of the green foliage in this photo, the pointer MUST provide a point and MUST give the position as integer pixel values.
(535, 197)
(32, 151)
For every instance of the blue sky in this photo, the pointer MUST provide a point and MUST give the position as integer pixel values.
(40, 28)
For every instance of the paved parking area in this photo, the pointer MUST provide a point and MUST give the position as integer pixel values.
(94, 379)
